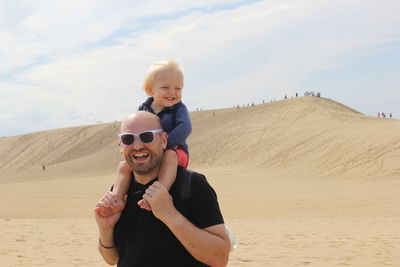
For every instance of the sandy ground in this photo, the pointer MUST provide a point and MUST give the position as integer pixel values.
(261, 242)
(277, 221)
(301, 182)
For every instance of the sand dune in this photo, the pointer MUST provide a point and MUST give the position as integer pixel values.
(302, 182)
(95, 145)
(306, 136)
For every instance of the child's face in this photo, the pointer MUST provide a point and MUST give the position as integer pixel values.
(167, 87)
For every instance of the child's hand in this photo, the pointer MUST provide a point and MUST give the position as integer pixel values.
(144, 204)
(110, 205)
(105, 216)
(104, 211)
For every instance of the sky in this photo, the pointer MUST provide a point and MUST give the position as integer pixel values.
(81, 62)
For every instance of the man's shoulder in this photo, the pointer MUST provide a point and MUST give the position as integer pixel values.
(183, 173)
(188, 180)
(187, 189)
(196, 199)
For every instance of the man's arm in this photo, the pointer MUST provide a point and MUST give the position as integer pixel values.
(106, 228)
(107, 248)
(210, 245)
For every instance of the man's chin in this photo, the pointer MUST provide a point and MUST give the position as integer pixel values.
(137, 164)
(143, 169)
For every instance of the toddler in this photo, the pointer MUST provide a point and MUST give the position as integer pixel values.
(163, 84)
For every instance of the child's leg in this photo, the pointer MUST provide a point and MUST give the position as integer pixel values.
(168, 168)
(167, 174)
(123, 181)
(120, 189)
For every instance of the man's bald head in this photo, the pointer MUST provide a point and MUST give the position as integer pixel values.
(144, 158)
(140, 121)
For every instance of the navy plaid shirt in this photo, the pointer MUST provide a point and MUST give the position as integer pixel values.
(175, 121)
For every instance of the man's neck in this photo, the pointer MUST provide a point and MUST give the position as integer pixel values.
(146, 178)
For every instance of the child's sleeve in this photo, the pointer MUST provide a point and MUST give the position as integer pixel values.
(180, 133)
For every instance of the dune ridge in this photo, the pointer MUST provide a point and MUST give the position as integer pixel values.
(305, 136)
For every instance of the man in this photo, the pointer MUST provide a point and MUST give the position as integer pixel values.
(172, 233)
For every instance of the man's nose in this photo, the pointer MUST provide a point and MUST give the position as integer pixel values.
(137, 143)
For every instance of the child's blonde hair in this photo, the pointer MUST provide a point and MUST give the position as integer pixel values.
(157, 67)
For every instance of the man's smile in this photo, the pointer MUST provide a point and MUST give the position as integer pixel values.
(142, 156)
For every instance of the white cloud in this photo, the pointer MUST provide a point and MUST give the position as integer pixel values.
(259, 50)
(35, 29)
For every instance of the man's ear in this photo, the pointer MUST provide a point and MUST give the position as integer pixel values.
(164, 139)
(121, 147)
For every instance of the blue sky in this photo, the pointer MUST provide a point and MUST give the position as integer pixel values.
(74, 62)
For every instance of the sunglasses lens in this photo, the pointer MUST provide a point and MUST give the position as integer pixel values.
(127, 139)
(146, 137)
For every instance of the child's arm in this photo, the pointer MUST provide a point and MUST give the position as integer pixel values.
(120, 189)
(176, 137)
(183, 127)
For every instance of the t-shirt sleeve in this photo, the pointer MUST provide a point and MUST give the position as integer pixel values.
(205, 210)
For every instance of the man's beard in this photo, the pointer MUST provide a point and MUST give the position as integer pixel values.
(144, 168)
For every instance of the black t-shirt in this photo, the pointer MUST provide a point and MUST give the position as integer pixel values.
(143, 240)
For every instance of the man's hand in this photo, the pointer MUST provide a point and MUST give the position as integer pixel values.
(160, 201)
(106, 226)
(108, 202)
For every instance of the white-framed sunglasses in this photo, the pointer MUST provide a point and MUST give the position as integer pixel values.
(145, 137)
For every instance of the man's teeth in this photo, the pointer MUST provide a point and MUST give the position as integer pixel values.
(140, 155)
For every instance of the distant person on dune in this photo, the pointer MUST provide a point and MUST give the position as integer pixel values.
(177, 231)
(163, 84)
